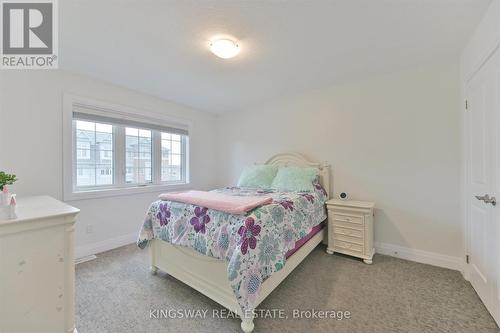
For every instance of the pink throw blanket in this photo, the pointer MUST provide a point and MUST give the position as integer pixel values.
(225, 203)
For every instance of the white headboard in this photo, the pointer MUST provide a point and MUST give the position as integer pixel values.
(294, 159)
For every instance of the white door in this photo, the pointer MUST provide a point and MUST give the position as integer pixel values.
(483, 118)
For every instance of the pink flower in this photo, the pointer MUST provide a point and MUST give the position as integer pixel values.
(309, 197)
(287, 204)
(200, 219)
(248, 232)
(163, 214)
(320, 188)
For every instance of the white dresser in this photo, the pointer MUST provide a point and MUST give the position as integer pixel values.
(37, 271)
(350, 228)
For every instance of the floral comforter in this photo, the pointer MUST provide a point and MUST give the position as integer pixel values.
(254, 244)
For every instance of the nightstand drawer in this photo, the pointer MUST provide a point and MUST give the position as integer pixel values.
(342, 238)
(348, 225)
(348, 218)
(358, 233)
(342, 245)
(348, 252)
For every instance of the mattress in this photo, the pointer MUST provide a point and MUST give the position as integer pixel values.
(301, 242)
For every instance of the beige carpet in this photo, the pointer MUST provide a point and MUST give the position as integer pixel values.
(115, 293)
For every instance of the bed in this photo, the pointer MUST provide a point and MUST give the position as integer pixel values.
(238, 260)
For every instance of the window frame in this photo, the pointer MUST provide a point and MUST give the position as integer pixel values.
(119, 186)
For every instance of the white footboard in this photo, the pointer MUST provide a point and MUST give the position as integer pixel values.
(209, 275)
(203, 273)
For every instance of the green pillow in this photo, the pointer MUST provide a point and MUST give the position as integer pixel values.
(295, 179)
(260, 176)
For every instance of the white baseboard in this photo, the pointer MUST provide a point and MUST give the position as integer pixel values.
(81, 260)
(420, 256)
(424, 257)
(105, 245)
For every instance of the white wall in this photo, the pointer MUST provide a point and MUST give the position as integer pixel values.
(31, 147)
(482, 43)
(394, 140)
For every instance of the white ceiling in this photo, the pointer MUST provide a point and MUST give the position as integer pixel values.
(160, 47)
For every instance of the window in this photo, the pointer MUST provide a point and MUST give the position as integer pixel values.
(139, 156)
(112, 153)
(172, 155)
(92, 140)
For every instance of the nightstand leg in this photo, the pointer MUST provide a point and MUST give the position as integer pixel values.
(329, 251)
(368, 261)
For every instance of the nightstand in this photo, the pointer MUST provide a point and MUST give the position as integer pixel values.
(350, 228)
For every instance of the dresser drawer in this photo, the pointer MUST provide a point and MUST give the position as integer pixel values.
(343, 245)
(345, 218)
(357, 233)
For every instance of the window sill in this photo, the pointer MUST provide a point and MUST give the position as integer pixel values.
(115, 192)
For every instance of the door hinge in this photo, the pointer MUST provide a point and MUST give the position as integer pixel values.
(467, 258)
(466, 105)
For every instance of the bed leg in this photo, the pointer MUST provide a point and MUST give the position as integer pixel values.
(247, 324)
(152, 257)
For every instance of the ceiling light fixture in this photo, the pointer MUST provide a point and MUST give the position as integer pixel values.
(224, 48)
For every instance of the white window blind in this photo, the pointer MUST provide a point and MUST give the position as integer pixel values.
(103, 115)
